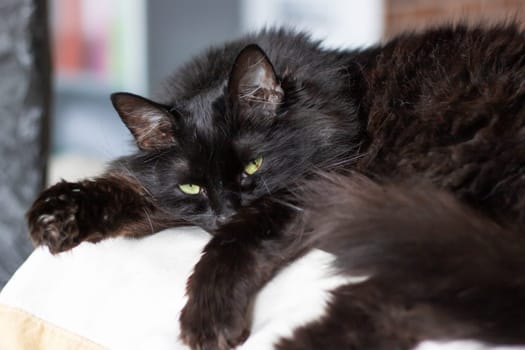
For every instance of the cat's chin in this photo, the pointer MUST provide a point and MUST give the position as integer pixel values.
(209, 228)
(213, 227)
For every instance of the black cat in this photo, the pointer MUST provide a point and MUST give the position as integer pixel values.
(243, 126)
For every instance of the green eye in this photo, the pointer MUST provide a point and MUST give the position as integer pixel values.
(253, 166)
(190, 189)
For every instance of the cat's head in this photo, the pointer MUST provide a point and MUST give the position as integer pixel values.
(205, 157)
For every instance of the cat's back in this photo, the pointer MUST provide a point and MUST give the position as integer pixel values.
(454, 59)
(448, 105)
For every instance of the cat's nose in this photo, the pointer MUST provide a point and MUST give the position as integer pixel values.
(224, 218)
(225, 215)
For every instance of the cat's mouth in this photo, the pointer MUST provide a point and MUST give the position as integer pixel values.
(214, 223)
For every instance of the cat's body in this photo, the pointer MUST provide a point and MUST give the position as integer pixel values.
(452, 112)
(238, 129)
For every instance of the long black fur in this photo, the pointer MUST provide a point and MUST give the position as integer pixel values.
(436, 269)
(445, 107)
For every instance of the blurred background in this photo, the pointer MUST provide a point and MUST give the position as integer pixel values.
(61, 59)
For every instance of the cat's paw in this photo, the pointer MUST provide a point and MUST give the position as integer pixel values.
(202, 329)
(53, 218)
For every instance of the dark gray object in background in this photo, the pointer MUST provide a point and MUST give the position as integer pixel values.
(179, 29)
(24, 118)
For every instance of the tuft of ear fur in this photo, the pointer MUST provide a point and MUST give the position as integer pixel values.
(253, 81)
(150, 123)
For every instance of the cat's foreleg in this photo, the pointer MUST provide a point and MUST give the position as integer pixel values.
(239, 260)
(69, 213)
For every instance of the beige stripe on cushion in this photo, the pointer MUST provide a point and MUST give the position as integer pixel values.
(20, 330)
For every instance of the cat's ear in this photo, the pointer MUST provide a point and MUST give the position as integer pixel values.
(149, 122)
(253, 80)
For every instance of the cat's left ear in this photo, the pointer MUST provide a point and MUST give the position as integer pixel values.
(150, 123)
(253, 81)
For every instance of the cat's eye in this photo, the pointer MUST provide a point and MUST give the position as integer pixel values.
(190, 189)
(253, 166)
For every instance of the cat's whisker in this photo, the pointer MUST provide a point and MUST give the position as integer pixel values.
(197, 216)
(130, 173)
(342, 162)
(201, 215)
(288, 204)
(149, 221)
(156, 156)
(266, 185)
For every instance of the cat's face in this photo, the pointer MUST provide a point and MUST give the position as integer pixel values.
(205, 157)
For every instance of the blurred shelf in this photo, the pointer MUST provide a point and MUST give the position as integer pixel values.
(83, 85)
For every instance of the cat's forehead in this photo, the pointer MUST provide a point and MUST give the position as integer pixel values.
(202, 122)
(211, 131)
(202, 110)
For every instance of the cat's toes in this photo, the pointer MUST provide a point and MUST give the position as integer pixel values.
(56, 231)
(52, 220)
(230, 338)
(213, 339)
(200, 332)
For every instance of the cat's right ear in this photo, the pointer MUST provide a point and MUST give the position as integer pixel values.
(253, 81)
(150, 123)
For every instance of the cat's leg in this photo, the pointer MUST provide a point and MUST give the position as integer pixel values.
(362, 316)
(243, 256)
(69, 213)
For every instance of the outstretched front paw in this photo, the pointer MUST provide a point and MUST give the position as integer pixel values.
(53, 217)
(205, 328)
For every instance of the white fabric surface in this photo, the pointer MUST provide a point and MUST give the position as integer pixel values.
(126, 294)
